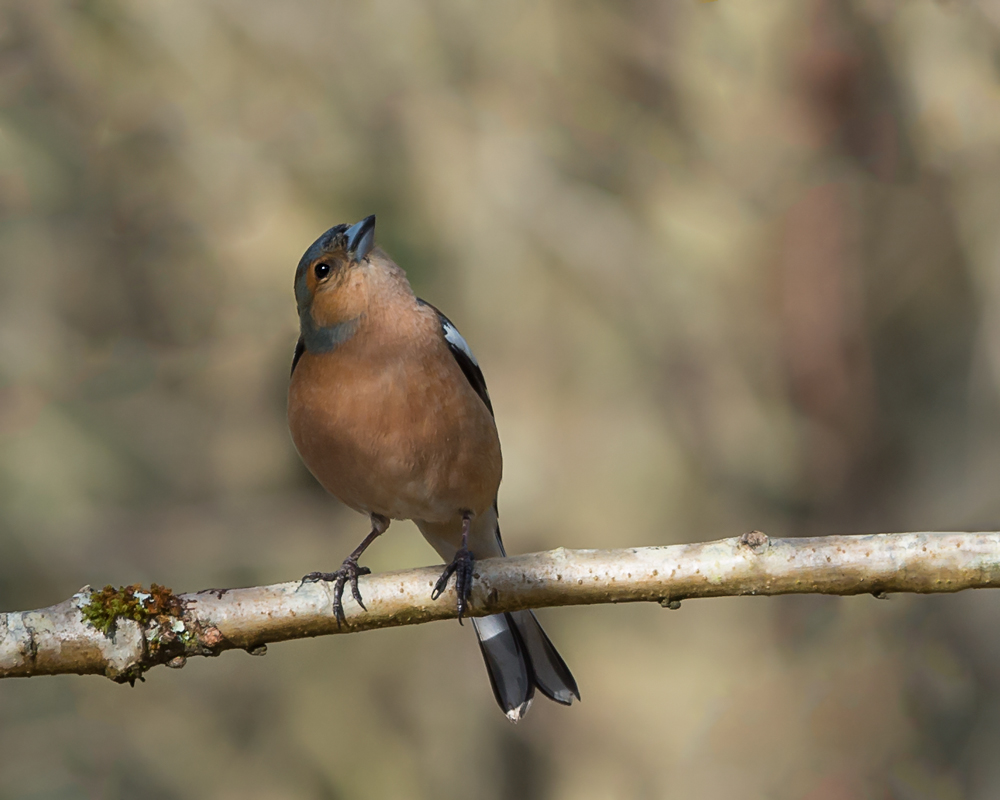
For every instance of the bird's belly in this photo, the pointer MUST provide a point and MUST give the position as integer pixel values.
(398, 448)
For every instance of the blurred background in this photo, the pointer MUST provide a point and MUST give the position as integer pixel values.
(726, 266)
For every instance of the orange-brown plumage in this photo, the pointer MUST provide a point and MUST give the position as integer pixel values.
(386, 421)
(389, 410)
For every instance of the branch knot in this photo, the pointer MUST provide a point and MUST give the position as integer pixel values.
(757, 541)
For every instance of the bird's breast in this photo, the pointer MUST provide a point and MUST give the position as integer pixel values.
(400, 435)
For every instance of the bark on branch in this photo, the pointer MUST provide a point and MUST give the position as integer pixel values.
(167, 629)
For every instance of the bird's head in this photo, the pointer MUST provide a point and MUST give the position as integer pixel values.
(330, 286)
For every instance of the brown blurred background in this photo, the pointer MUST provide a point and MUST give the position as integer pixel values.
(727, 266)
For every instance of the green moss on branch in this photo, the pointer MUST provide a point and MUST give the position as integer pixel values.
(133, 602)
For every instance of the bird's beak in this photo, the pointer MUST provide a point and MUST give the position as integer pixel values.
(361, 238)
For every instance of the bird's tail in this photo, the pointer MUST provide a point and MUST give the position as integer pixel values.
(519, 657)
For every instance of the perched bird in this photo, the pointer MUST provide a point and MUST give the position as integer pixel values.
(388, 409)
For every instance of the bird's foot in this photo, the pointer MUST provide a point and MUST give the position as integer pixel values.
(461, 565)
(349, 571)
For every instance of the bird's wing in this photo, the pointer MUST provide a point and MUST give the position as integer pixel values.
(470, 367)
(463, 355)
(300, 348)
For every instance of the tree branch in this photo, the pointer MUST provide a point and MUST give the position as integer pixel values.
(167, 629)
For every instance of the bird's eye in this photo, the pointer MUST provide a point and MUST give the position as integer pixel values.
(321, 270)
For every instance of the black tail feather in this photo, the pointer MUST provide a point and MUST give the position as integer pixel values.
(520, 657)
(552, 675)
(507, 663)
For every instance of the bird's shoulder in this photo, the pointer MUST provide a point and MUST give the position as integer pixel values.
(462, 353)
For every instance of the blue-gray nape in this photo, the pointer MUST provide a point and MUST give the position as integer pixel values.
(326, 339)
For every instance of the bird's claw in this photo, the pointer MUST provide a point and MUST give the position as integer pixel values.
(349, 571)
(461, 565)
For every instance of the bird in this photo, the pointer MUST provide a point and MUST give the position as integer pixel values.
(388, 409)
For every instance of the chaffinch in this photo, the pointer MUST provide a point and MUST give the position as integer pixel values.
(388, 409)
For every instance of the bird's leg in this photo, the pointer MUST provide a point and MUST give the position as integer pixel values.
(349, 570)
(461, 565)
